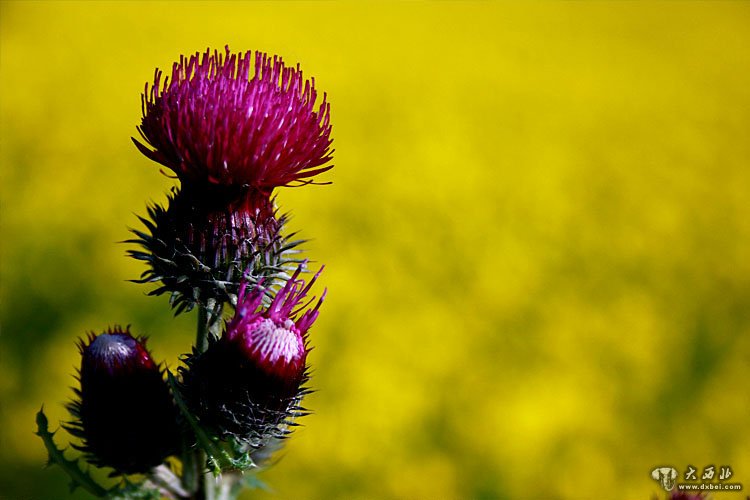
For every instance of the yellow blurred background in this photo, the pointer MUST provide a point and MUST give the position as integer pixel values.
(537, 238)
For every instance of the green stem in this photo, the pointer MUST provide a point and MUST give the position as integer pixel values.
(201, 338)
(190, 470)
(209, 324)
(199, 457)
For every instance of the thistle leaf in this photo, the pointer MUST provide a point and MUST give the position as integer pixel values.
(79, 477)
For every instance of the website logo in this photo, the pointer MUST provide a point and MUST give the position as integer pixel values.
(666, 477)
(711, 478)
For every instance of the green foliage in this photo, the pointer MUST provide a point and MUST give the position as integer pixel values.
(81, 478)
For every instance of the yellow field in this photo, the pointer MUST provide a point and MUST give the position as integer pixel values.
(537, 238)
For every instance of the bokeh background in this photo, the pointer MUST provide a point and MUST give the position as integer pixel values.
(537, 238)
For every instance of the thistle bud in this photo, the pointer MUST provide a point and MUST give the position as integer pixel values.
(124, 412)
(248, 384)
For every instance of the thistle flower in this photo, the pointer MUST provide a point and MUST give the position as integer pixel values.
(248, 384)
(230, 138)
(124, 412)
(212, 124)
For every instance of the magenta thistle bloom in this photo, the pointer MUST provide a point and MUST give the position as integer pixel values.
(232, 127)
(217, 123)
(124, 413)
(247, 385)
(270, 337)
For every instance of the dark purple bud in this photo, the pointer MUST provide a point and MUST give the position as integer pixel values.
(125, 414)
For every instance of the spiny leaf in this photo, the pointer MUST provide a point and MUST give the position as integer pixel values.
(79, 477)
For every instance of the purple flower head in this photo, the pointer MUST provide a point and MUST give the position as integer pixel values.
(235, 121)
(272, 337)
(124, 412)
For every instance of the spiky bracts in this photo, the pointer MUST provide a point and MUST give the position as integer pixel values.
(124, 412)
(248, 385)
(199, 254)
